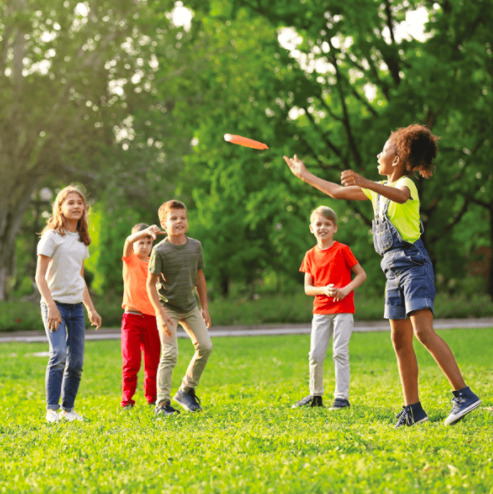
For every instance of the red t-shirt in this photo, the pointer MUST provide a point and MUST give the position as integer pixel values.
(332, 265)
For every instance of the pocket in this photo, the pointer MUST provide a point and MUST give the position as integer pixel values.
(382, 236)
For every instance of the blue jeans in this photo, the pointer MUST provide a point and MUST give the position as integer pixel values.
(64, 368)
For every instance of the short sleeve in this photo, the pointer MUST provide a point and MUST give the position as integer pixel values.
(155, 265)
(46, 245)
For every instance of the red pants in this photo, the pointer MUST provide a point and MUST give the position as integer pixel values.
(139, 334)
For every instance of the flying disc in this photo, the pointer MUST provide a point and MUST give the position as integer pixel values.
(245, 141)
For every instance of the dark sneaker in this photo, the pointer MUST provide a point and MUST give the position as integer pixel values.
(339, 403)
(188, 399)
(411, 415)
(166, 409)
(309, 401)
(464, 401)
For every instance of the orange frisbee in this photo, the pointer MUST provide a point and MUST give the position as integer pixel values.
(245, 141)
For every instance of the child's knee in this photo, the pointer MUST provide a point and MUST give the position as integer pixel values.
(316, 357)
(205, 348)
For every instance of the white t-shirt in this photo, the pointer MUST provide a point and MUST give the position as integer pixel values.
(67, 254)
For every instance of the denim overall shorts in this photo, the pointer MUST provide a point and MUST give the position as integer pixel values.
(407, 267)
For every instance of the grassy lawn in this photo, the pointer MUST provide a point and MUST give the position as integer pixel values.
(248, 439)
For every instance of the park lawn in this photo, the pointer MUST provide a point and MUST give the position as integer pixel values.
(248, 439)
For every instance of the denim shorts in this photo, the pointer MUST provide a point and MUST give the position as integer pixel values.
(410, 282)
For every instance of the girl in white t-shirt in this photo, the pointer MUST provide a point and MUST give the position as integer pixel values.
(60, 280)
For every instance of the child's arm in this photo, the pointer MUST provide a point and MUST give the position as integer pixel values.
(349, 178)
(359, 278)
(164, 322)
(330, 188)
(151, 231)
(312, 290)
(201, 288)
(94, 317)
(54, 318)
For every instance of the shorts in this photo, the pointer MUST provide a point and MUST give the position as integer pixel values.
(410, 282)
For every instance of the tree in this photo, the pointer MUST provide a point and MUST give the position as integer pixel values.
(72, 77)
(353, 77)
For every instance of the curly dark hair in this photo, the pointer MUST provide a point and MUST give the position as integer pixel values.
(417, 148)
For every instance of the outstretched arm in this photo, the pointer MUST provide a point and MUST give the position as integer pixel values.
(332, 189)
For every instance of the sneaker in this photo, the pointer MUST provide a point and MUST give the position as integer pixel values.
(128, 406)
(339, 403)
(166, 409)
(464, 401)
(52, 416)
(188, 399)
(309, 401)
(411, 415)
(70, 416)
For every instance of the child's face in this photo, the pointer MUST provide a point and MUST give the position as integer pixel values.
(175, 223)
(143, 247)
(73, 207)
(387, 158)
(323, 228)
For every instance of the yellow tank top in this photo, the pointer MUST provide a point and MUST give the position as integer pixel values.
(405, 217)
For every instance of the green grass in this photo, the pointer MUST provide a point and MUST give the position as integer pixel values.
(248, 439)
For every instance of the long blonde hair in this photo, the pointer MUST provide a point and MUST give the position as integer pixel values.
(57, 220)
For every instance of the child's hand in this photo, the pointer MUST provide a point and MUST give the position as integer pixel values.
(54, 318)
(339, 294)
(329, 290)
(95, 319)
(207, 317)
(296, 165)
(153, 231)
(349, 177)
(164, 323)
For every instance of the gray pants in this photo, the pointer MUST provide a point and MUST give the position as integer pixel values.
(193, 323)
(339, 327)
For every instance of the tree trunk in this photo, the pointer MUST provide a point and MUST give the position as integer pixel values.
(12, 210)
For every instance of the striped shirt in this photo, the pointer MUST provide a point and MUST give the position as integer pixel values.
(177, 267)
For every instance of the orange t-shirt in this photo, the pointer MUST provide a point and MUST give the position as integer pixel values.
(332, 265)
(134, 285)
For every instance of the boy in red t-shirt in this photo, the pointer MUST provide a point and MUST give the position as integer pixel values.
(328, 267)
(139, 329)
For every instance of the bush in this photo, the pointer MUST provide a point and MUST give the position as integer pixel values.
(262, 309)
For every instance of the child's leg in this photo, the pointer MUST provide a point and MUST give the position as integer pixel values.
(131, 358)
(194, 325)
(76, 332)
(152, 349)
(169, 357)
(422, 321)
(343, 328)
(56, 364)
(402, 340)
(319, 343)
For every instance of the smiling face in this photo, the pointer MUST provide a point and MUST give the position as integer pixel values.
(323, 228)
(73, 207)
(175, 223)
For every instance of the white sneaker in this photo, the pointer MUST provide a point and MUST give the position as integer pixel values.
(71, 416)
(52, 416)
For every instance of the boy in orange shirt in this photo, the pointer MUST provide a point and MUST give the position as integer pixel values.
(328, 267)
(139, 330)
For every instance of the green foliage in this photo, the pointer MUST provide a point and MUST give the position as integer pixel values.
(263, 307)
(248, 439)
